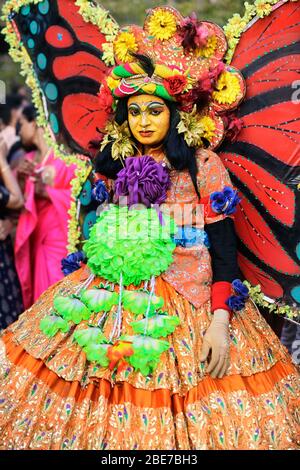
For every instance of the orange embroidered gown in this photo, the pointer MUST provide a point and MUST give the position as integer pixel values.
(51, 397)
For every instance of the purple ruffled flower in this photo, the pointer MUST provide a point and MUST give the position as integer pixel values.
(240, 288)
(143, 180)
(225, 202)
(72, 262)
(236, 302)
(99, 192)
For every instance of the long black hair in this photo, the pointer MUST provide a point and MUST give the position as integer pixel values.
(180, 155)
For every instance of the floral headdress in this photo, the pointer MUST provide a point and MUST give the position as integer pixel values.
(188, 69)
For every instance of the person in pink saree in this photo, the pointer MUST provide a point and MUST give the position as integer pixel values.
(42, 232)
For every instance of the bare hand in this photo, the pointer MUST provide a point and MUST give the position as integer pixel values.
(26, 168)
(6, 227)
(216, 340)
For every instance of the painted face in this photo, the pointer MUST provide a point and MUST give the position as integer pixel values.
(148, 119)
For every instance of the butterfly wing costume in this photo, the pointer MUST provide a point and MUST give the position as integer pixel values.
(109, 358)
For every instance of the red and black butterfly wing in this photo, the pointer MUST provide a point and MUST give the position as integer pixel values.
(264, 160)
(66, 54)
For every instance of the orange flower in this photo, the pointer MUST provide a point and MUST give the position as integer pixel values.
(117, 353)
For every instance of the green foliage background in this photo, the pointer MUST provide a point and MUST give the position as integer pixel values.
(133, 11)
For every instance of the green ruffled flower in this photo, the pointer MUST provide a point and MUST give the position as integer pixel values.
(71, 309)
(89, 336)
(158, 326)
(147, 352)
(97, 353)
(99, 300)
(132, 242)
(137, 302)
(52, 324)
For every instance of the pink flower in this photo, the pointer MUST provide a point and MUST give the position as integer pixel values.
(193, 32)
(216, 72)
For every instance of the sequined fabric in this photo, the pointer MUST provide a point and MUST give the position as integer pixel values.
(52, 398)
(190, 273)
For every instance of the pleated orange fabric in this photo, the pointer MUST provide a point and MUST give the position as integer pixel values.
(51, 397)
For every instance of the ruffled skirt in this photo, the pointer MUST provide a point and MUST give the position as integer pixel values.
(51, 397)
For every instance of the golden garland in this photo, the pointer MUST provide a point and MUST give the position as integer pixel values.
(106, 24)
(276, 307)
(83, 166)
(238, 24)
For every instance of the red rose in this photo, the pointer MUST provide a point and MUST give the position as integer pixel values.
(175, 84)
(105, 98)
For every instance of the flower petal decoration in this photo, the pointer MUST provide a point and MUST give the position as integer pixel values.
(143, 180)
(201, 129)
(240, 288)
(162, 24)
(99, 192)
(71, 309)
(120, 137)
(137, 302)
(147, 352)
(226, 201)
(132, 242)
(97, 353)
(118, 353)
(229, 90)
(90, 335)
(124, 44)
(72, 262)
(236, 303)
(157, 326)
(52, 324)
(99, 300)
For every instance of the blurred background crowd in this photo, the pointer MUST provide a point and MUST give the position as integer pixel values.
(35, 188)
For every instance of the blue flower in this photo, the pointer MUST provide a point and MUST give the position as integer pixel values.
(72, 262)
(99, 192)
(236, 302)
(225, 202)
(240, 288)
(188, 236)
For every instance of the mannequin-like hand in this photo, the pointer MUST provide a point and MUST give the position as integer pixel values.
(216, 340)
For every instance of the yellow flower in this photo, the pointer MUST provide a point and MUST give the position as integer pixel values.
(209, 49)
(263, 8)
(162, 25)
(209, 127)
(227, 88)
(123, 45)
(235, 26)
